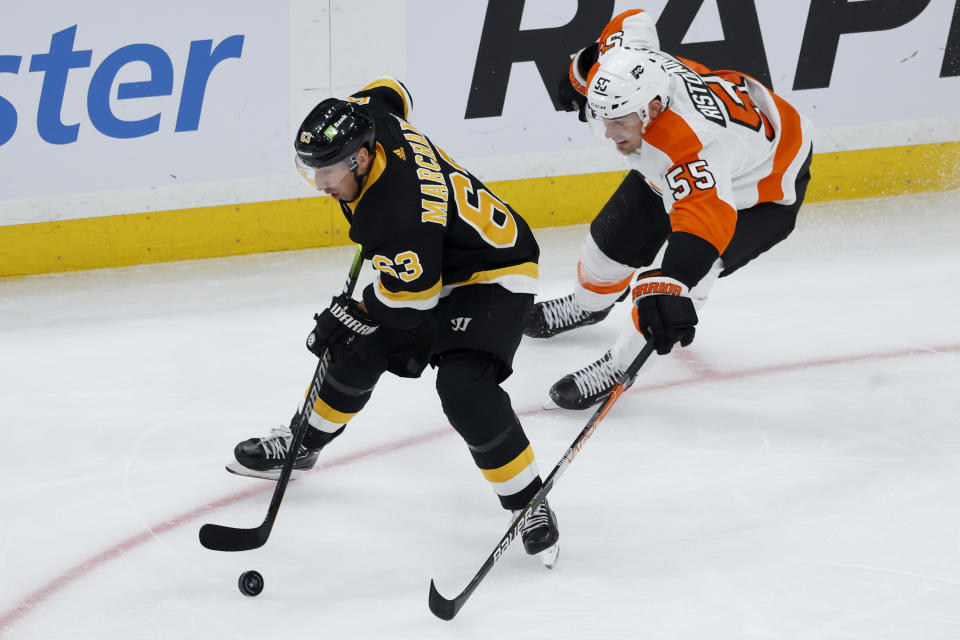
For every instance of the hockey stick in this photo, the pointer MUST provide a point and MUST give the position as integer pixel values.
(221, 538)
(447, 609)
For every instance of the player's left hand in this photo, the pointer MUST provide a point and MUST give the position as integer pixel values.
(663, 311)
(340, 327)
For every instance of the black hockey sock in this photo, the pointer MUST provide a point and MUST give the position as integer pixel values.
(316, 439)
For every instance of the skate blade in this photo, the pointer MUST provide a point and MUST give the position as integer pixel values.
(550, 556)
(238, 469)
(550, 405)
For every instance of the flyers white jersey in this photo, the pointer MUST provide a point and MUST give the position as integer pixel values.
(634, 28)
(724, 143)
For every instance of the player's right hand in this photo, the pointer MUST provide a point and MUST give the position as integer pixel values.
(339, 328)
(663, 311)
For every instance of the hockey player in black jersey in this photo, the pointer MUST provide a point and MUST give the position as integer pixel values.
(457, 272)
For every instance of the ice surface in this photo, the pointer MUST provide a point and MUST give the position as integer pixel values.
(795, 473)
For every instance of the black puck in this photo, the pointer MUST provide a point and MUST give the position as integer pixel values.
(251, 583)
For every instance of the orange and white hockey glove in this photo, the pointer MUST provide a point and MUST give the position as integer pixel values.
(663, 311)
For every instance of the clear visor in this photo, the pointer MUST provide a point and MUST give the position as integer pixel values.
(325, 177)
(594, 122)
(620, 128)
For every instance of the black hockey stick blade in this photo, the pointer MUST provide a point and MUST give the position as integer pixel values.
(441, 607)
(221, 538)
(446, 609)
(217, 537)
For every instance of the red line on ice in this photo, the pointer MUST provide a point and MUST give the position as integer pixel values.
(31, 601)
(37, 597)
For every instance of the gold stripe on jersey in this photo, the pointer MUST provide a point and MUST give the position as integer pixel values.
(422, 300)
(519, 278)
(376, 170)
(392, 83)
(327, 412)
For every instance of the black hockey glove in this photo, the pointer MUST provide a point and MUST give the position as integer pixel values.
(573, 86)
(339, 328)
(571, 99)
(663, 311)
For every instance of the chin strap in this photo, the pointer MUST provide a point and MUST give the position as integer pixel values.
(355, 165)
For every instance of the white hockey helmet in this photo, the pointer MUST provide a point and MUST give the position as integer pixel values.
(625, 82)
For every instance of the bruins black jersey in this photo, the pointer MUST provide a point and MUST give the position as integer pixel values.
(426, 223)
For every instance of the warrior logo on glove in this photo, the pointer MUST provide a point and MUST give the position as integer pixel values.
(339, 327)
(663, 311)
(350, 322)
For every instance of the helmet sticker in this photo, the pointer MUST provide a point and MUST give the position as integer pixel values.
(627, 80)
(332, 131)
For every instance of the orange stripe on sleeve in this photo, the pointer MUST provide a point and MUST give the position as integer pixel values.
(705, 215)
(671, 134)
(701, 212)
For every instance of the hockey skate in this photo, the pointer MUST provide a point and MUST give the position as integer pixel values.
(264, 457)
(586, 387)
(551, 317)
(541, 535)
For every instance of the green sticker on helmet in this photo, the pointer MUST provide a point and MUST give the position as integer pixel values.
(330, 132)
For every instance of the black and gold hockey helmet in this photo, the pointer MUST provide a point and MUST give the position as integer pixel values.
(333, 132)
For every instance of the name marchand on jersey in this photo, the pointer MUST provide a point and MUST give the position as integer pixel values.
(434, 203)
(418, 264)
(433, 186)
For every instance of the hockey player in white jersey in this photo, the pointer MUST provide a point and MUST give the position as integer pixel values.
(720, 166)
